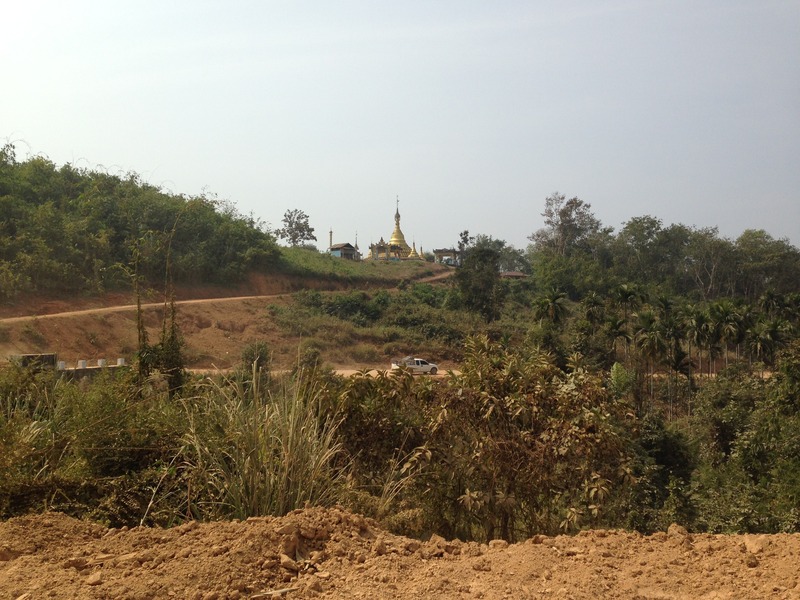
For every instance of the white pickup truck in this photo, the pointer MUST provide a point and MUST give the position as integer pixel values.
(415, 365)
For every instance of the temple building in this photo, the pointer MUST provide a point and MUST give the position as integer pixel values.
(397, 248)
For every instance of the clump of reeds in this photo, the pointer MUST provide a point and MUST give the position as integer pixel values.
(254, 452)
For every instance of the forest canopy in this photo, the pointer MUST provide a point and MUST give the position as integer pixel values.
(70, 229)
(575, 253)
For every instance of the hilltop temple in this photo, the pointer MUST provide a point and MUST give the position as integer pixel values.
(397, 248)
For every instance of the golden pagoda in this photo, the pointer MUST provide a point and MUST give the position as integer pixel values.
(398, 240)
(396, 248)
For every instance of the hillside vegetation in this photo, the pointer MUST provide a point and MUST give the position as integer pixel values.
(633, 380)
(64, 229)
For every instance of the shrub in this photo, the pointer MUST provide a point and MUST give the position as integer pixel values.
(116, 430)
(508, 409)
(309, 359)
(257, 354)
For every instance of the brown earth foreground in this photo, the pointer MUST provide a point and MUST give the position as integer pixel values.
(330, 553)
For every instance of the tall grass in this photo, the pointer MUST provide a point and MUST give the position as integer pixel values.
(259, 453)
(27, 405)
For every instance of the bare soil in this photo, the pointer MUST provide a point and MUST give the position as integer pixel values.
(216, 323)
(330, 553)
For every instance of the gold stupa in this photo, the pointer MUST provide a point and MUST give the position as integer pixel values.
(398, 240)
(397, 248)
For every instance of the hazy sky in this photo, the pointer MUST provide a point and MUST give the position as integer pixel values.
(471, 112)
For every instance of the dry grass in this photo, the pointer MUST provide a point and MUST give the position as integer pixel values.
(259, 453)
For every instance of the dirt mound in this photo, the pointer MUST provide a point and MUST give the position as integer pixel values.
(331, 553)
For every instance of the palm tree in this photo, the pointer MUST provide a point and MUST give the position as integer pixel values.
(791, 308)
(627, 297)
(664, 305)
(651, 341)
(745, 317)
(551, 306)
(759, 343)
(697, 325)
(615, 329)
(593, 309)
(726, 323)
(676, 359)
(765, 338)
(770, 303)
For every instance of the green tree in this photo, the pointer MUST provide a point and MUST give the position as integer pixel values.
(651, 341)
(478, 280)
(709, 262)
(70, 229)
(296, 229)
(572, 252)
(728, 324)
(636, 249)
(697, 325)
(764, 264)
(593, 307)
(510, 259)
(627, 297)
(765, 338)
(616, 329)
(569, 224)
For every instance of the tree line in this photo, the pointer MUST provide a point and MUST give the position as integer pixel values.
(69, 229)
(576, 254)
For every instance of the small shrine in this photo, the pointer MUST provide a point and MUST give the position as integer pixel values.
(344, 250)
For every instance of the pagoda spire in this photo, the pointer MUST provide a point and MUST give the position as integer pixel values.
(398, 240)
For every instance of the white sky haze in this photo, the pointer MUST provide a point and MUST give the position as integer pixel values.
(471, 112)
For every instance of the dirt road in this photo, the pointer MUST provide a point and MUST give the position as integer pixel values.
(215, 327)
(105, 310)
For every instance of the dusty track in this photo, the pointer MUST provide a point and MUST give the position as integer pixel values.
(130, 307)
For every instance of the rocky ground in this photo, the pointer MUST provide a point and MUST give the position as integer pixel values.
(330, 553)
